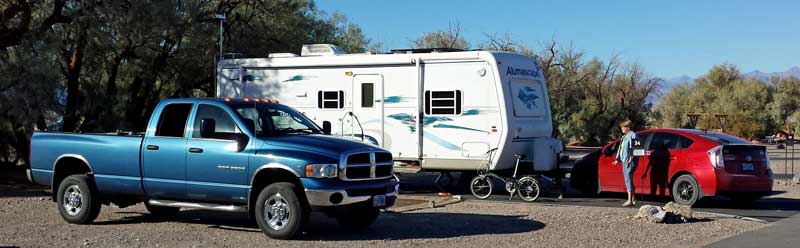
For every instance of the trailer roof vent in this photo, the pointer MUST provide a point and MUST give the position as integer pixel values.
(282, 55)
(321, 50)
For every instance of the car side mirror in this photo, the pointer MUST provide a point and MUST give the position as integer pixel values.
(326, 127)
(207, 128)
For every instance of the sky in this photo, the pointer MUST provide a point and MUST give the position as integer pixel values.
(669, 38)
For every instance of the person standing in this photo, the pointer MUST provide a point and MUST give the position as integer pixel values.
(625, 157)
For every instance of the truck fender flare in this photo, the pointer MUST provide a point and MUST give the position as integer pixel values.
(53, 179)
(273, 166)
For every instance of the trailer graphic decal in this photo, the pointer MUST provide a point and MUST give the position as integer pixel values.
(297, 78)
(393, 99)
(528, 96)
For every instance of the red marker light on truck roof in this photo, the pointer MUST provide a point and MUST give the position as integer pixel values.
(227, 99)
(246, 99)
(267, 100)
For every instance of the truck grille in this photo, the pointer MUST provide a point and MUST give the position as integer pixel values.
(370, 165)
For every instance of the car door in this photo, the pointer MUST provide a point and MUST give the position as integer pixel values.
(163, 153)
(662, 153)
(609, 175)
(216, 163)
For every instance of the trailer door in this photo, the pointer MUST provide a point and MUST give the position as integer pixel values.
(367, 104)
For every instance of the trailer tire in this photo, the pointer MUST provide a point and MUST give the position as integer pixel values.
(279, 212)
(78, 200)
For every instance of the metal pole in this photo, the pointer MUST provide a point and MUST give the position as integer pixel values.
(221, 37)
(786, 156)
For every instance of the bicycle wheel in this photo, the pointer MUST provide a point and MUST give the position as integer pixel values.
(528, 188)
(481, 187)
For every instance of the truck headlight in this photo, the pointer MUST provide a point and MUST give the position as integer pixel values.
(322, 170)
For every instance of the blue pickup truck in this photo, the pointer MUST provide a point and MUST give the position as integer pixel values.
(238, 155)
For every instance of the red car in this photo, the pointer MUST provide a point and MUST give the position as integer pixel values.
(686, 164)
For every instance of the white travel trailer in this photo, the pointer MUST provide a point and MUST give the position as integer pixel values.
(440, 110)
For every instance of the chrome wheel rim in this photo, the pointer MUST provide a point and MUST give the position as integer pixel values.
(276, 212)
(685, 191)
(72, 200)
(481, 187)
(528, 189)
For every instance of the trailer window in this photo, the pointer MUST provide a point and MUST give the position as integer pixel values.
(172, 122)
(330, 99)
(367, 95)
(443, 102)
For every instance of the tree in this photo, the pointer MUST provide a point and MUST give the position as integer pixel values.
(453, 37)
(100, 66)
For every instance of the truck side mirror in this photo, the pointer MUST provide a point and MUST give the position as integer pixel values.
(326, 127)
(242, 140)
(207, 128)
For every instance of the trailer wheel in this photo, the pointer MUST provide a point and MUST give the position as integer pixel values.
(279, 212)
(78, 200)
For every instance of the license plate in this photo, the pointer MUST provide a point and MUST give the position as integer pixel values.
(747, 166)
(379, 201)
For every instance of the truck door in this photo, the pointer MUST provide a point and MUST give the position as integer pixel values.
(368, 107)
(215, 168)
(163, 157)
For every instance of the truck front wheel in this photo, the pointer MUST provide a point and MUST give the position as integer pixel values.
(357, 217)
(78, 200)
(279, 212)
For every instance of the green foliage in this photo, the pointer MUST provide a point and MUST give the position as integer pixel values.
(751, 108)
(99, 66)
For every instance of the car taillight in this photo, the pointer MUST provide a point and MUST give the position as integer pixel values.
(716, 158)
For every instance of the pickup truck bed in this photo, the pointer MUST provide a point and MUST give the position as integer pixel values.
(114, 158)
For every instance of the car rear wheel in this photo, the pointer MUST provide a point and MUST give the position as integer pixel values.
(78, 200)
(685, 190)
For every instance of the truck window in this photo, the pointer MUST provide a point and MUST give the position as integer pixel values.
(172, 122)
(224, 127)
(367, 95)
(330, 99)
(443, 102)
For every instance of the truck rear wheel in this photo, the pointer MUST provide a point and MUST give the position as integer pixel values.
(78, 200)
(357, 217)
(279, 212)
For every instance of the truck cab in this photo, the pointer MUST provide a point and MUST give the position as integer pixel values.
(239, 155)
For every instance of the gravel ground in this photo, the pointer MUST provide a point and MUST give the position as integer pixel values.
(28, 219)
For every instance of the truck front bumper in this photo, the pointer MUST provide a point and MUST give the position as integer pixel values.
(329, 193)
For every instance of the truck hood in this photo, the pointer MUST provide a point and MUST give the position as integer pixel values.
(323, 144)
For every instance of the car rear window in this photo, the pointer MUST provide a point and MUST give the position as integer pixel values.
(724, 139)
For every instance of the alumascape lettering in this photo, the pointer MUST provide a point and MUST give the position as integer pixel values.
(523, 72)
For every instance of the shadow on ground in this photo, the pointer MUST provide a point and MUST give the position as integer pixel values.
(390, 226)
